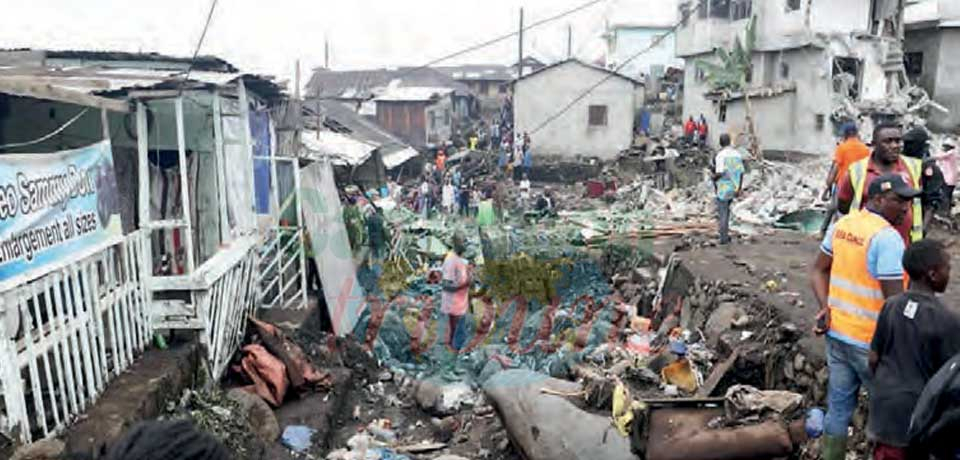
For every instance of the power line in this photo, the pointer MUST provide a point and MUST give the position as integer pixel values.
(500, 38)
(196, 51)
(616, 71)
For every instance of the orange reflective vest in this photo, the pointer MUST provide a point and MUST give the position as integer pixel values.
(855, 298)
(858, 178)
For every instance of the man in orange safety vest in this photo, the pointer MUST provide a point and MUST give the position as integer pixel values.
(859, 266)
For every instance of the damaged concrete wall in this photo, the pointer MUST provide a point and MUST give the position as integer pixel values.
(789, 120)
(540, 96)
(939, 72)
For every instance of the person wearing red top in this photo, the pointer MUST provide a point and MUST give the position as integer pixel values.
(885, 159)
(689, 129)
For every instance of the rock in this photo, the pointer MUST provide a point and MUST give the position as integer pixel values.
(438, 398)
(259, 415)
(722, 320)
(504, 444)
(798, 362)
(385, 376)
(48, 449)
(540, 424)
(450, 457)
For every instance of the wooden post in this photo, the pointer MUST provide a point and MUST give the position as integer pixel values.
(221, 166)
(184, 185)
(302, 231)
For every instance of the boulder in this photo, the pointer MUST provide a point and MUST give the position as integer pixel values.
(258, 414)
(548, 427)
(721, 320)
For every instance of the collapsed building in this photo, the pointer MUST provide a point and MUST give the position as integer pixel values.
(933, 31)
(815, 65)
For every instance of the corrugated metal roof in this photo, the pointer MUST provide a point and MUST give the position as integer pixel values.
(342, 148)
(367, 84)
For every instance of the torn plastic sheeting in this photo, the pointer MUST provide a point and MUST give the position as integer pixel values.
(743, 401)
(297, 437)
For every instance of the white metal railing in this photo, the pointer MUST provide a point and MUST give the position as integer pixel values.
(79, 327)
(281, 277)
(224, 309)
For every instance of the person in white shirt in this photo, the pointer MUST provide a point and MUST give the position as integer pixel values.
(446, 197)
(524, 192)
(727, 180)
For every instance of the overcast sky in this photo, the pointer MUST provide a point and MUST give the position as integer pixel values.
(268, 36)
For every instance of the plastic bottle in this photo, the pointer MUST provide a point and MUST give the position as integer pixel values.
(814, 423)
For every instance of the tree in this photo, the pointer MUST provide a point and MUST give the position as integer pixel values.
(731, 74)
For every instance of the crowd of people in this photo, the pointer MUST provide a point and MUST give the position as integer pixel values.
(876, 279)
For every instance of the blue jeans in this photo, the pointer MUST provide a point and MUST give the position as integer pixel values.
(723, 219)
(849, 368)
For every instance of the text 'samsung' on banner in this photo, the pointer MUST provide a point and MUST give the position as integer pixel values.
(55, 208)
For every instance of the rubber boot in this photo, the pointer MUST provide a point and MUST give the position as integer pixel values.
(833, 448)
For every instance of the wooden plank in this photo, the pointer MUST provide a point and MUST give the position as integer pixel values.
(70, 348)
(27, 324)
(114, 330)
(45, 354)
(211, 270)
(58, 348)
(27, 88)
(82, 320)
(90, 277)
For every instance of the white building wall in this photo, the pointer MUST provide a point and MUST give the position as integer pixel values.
(627, 42)
(542, 95)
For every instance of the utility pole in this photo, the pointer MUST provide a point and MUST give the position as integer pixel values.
(326, 53)
(569, 41)
(296, 89)
(520, 61)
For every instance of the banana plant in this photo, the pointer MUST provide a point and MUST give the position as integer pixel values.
(731, 72)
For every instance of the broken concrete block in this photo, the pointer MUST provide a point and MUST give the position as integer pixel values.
(540, 424)
(439, 398)
(48, 449)
(258, 414)
(721, 320)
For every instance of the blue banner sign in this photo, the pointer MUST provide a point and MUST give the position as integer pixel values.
(55, 208)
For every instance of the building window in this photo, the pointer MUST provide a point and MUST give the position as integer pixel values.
(793, 5)
(846, 77)
(741, 9)
(484, 88)
(598, 115)
(914, 64)
(446, 117)
(700, 75)
(820, 120)
(503, 88)
(784, 70)
(719, 9)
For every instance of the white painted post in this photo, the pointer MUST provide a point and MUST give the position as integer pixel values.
(248, 148)
(13, 395)
(143, 171)
(59, 346)
(27, 324)
(184, 185)
(221, 167)
(303, 231)
(70, 357)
